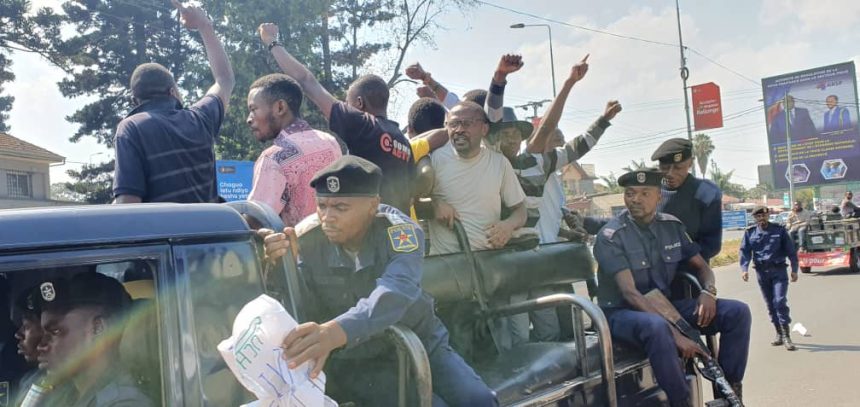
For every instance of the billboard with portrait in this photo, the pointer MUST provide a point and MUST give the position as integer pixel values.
(821, 123)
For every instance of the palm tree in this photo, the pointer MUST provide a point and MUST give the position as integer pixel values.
(724, 181)
(702, 149)
(611, 182)
(635, 165)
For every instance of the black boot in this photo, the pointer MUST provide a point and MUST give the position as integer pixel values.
(778, 340)
(786, 338)
(739, 390)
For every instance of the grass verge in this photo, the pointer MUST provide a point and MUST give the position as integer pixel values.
(728, 254)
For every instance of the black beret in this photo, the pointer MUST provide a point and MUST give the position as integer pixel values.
(84, 289)
(28, 303)
(760, 209)
(673, 150)
(646, 177)
(348, 176)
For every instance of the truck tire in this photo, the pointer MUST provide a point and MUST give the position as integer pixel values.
(806, 270)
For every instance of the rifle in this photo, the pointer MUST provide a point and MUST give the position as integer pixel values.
(708, 367)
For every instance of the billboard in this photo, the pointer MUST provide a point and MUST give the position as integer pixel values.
(707, 106)
(235, 179)
(821, 123)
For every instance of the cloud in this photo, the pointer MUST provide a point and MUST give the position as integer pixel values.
(812, 16)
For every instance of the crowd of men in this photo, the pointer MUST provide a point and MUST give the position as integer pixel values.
(346, 195)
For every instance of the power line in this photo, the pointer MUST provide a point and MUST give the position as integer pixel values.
(740, 75)
(580, 27)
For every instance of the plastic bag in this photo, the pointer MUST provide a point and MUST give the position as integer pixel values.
(255, 357)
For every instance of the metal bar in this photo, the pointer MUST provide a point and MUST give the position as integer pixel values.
(685, 73)
(598, 321)
(411, 352)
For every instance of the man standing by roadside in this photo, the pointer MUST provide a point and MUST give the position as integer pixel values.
(164, 152)
(796, 222)
(767, 245)
(848, 208)
(283, 172)
(361, 122)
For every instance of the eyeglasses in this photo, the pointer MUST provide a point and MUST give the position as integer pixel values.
(453, 124)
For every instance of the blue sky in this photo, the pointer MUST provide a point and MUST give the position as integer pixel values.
(753, 38)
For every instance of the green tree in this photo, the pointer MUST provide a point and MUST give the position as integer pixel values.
(611, 183)
(61, 192)
(758, 191)
(702, 149)
(723, 181)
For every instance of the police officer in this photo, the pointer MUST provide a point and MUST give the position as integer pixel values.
(696, 202)
(640, 250)
(361, 264)
(82, 318)
(766, 245)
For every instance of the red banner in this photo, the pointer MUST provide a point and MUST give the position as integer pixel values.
(707, 106)
(824, 259)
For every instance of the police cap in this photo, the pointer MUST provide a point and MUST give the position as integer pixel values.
(673, 150)
(84, 289)
(645, 177)
(28, 304)
(760, 209)
(348, 176)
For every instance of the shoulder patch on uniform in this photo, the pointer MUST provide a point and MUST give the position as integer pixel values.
(403, 238)
(665, 217)
(608, 232)
(307, 224)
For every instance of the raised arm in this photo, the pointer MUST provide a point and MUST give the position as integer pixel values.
(508, 64)
(538, 139)
(417, 72)
(311, 86)
(194, 18)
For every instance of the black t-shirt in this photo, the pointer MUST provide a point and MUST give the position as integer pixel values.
(380, 141)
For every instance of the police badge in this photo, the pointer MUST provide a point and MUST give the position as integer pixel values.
(333, 184)
(640, 177)
(677, 157)
(48, 292)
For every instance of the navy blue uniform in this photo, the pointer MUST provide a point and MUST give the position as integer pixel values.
(767, 250)
(698, 204)
(653, 255)
(368, 291)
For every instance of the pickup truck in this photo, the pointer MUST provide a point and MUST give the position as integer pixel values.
(830, 241)
(191, 268)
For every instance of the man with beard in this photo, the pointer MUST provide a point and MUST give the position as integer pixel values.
(283, 172)
(640, 250)
(696, 202)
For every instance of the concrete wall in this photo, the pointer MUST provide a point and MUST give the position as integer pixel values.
(39, 173)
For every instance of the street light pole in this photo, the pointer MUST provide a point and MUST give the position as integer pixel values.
(685, 73)
(790, 170)
(551, 57)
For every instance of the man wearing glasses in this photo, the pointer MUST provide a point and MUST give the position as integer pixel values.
(696, 202)
(472, 182)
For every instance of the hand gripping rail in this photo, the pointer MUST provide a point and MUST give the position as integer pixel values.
(598, 320)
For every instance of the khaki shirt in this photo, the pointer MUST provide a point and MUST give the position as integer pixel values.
(798, 219)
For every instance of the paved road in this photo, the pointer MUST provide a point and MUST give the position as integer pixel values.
(825, 370)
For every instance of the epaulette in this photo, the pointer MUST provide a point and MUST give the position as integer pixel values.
(707, 191)
(614, 225)
(307, 224)
(394, 216)
(666, 217)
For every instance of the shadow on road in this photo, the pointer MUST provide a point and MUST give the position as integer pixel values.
(812, 347)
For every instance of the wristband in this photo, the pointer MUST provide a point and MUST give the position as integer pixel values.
(708, 293)
(273, 44)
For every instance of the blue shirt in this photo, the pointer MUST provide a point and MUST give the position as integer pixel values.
(368, 291)
(767, 248)
(165, 153)
(698, 204)
(380, 141)
(652, 254)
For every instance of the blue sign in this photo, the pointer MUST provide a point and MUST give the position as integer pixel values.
(734, 219)
(235, 179)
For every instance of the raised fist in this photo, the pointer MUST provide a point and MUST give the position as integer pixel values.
(268, 32)
(579, 70)
(509, 63)
(612, 109)
(416, 72)
(193, 17)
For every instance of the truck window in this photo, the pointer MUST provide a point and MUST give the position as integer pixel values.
(125, 355)
(222, 278)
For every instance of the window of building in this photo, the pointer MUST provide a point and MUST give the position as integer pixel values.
(19, 185)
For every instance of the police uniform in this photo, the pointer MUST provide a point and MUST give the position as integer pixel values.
(114, 387)
(767, 250)
(697, 202)
(653, 254)
(368, 291)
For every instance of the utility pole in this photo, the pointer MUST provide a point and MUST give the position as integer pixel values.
(787, 113)
(685, 73)
(534, 106)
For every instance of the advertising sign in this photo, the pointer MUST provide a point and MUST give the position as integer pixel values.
(235, 179)
(707, 106)
(734, 219)
(821, 124)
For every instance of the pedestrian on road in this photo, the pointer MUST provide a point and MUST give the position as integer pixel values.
(767, 245)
